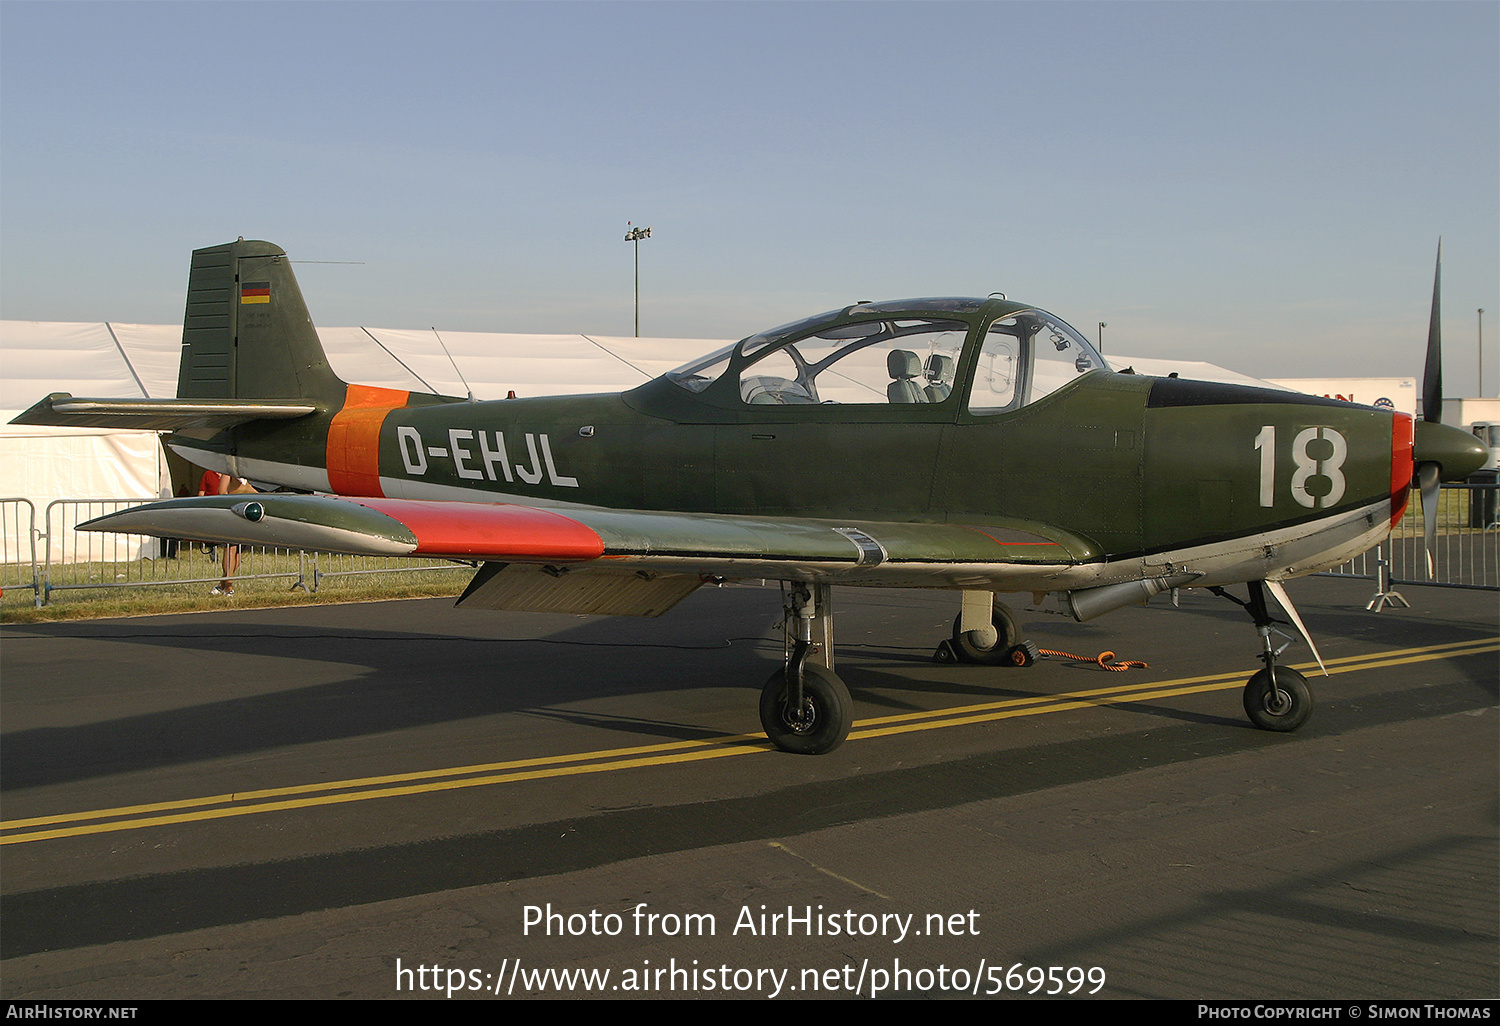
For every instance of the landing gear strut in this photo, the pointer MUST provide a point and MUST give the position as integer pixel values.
(1277, 697)
(805, 708)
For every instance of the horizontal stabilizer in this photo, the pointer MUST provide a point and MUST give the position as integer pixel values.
(63, 410)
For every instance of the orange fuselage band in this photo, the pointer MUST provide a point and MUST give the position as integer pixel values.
(354, 439)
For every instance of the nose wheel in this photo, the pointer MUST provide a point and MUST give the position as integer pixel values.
(1283, 705)
(1277, 697)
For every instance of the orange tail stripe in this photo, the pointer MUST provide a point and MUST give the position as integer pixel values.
(354, 439)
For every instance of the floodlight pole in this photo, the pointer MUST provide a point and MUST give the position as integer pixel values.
(635, 235)
(1481, 353)
(1102, 326)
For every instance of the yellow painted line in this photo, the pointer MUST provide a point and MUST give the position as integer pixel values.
(1011, 707)
(338, 785)
(388, 792)
(303, 796)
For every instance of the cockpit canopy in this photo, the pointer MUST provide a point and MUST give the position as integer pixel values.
(993, 354)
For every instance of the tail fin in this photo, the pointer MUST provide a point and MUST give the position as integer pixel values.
(246, 333)
(249, 353)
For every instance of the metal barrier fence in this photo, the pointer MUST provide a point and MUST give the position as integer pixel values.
(90, 559)
(1466, 553)
(18, 536)
(71, 559)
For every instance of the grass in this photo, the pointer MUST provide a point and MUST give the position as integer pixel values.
(150, 586)
(1452, 512)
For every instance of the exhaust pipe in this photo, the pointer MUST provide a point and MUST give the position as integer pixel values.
(1087, 603)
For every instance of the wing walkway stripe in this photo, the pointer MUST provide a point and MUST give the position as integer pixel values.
(301, 796)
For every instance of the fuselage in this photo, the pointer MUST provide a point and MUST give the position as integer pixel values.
(1129, 471)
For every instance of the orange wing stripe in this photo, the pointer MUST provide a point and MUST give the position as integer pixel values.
(493, 529)
(354, 439)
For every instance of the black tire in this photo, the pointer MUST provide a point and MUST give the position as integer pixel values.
(1285, 711)
(1008, 635)
(826, 713)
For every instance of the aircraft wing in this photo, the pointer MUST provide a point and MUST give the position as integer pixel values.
(588, 559)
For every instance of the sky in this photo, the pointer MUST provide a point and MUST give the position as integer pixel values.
(1260, 185)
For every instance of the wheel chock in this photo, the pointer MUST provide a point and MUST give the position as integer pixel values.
(945, 652)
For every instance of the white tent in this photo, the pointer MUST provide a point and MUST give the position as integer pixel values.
(494, 364)
(1193, 370)
(46, 464)
(120, 360)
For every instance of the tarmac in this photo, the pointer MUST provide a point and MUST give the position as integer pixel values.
(405, 800)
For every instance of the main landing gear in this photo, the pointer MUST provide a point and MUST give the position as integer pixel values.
(1277, 697)
(986, 632)
(805, 708)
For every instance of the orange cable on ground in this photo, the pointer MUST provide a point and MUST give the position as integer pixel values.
(1103, 659)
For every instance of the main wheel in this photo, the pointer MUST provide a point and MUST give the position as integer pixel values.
(1286, 707)
(820, 725)
(1007, 634)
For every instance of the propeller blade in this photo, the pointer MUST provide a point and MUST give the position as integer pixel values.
(1427, 480)
(1432, 375)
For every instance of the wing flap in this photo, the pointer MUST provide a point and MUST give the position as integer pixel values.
(590, 590)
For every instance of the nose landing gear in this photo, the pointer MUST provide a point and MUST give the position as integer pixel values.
(1277, 697)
